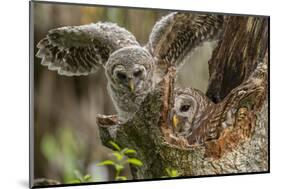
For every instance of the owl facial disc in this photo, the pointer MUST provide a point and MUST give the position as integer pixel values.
(131, 68)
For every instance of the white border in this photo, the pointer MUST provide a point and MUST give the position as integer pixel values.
(14, 92)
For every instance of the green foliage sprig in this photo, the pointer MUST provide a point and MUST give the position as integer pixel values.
(79, 178)
(121, 160)
(171, 173)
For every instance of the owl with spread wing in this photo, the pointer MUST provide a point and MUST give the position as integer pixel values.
(132, 70)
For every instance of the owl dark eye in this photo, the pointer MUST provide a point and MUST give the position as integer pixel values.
(121, 76)
(184, 108)
(137, 73)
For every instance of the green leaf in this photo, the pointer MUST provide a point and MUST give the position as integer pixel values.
(106, 162)
(49, 147)
(134, 161)
(129, 151)
(168, 171)
(118, 167)
(118, 156)
(121, 178)
(78, 175)
(115, 145)
(87, 177)
(172, 172)
(75, 181)
(123, 150)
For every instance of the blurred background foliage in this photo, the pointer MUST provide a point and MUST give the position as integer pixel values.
(66, 140)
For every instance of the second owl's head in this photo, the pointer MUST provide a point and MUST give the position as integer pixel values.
(130, 68)
(183, 112)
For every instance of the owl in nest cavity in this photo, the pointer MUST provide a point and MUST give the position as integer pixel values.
(197, 119)
(131, 69)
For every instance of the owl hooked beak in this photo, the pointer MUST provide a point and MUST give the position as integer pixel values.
(175, 121)
(131, 85)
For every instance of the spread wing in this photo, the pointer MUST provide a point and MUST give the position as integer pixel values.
(177, 34)
(82, 50)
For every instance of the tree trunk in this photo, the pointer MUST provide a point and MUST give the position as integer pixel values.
(244, 43)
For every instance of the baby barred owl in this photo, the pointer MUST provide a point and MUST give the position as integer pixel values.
(197, 119)
(130, 68)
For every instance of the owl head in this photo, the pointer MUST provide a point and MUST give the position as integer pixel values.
(130, 68)
(189, 104)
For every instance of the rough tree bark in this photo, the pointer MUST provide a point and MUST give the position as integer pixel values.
(244, 43)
